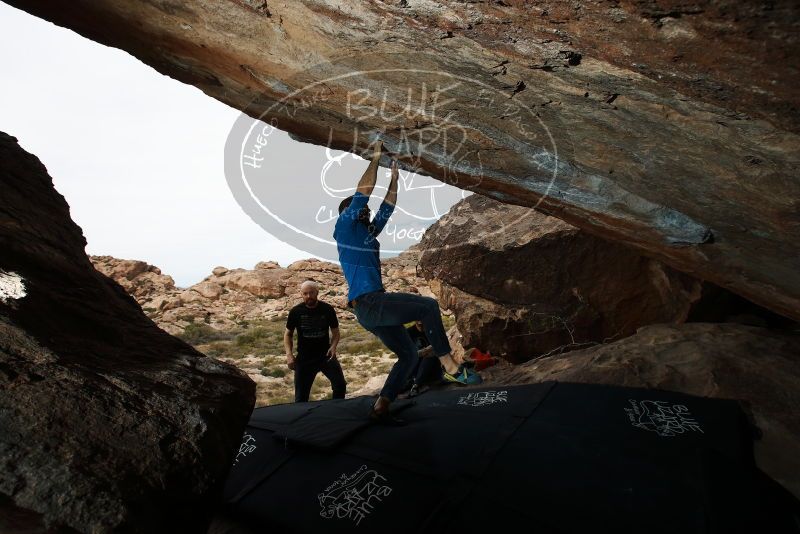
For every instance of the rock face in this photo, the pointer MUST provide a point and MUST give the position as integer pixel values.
(755, 365)
(139, 279)
(108, 423)
(230, 296)
(612, 116)
(522, 284)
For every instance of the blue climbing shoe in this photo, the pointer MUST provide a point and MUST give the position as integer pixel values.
(463, 376)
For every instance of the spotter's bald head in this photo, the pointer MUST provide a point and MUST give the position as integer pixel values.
(309, 291)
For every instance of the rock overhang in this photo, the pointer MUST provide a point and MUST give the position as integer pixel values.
(686, 156)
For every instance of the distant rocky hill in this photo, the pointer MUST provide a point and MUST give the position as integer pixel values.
(229, 297)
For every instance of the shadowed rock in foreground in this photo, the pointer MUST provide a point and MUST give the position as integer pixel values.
(108, 423)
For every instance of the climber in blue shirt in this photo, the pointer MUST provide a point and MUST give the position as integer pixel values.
(378, 311)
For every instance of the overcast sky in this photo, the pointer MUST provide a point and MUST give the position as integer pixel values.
(137, 155)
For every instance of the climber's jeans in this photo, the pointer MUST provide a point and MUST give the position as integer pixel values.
(384, 314)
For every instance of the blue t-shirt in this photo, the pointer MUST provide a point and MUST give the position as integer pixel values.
(359, 249)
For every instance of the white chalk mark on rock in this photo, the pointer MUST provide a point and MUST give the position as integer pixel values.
(11, 286)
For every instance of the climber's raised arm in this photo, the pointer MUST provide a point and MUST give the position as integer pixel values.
(387, 206)
(368, 179)
(391, 194)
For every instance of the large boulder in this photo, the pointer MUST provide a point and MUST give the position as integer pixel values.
(314, 265)
(209, 290)
(108, 423)
(522, 284)
(671, 126)
(756, 365)
(138, 278)
(267, 283)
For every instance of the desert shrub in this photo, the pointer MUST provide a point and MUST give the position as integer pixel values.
(448, 321)
(251, 336)
(274, 373)
(216, 349)
(281, 399)
(360, 347)
(196, 334)
(321, 389)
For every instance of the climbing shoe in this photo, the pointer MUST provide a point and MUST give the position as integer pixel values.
(463, 376)
(385, 418)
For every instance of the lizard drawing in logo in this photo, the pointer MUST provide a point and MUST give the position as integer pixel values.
(662, 418)
(353, 497)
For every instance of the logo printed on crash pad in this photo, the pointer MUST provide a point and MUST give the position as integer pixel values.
(661, 417)
(353, 497)
(483, 398)
(248, 445)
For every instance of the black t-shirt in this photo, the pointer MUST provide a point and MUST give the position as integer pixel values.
(418, 337)
(312, 326)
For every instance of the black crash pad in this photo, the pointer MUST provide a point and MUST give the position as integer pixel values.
(551, 457)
